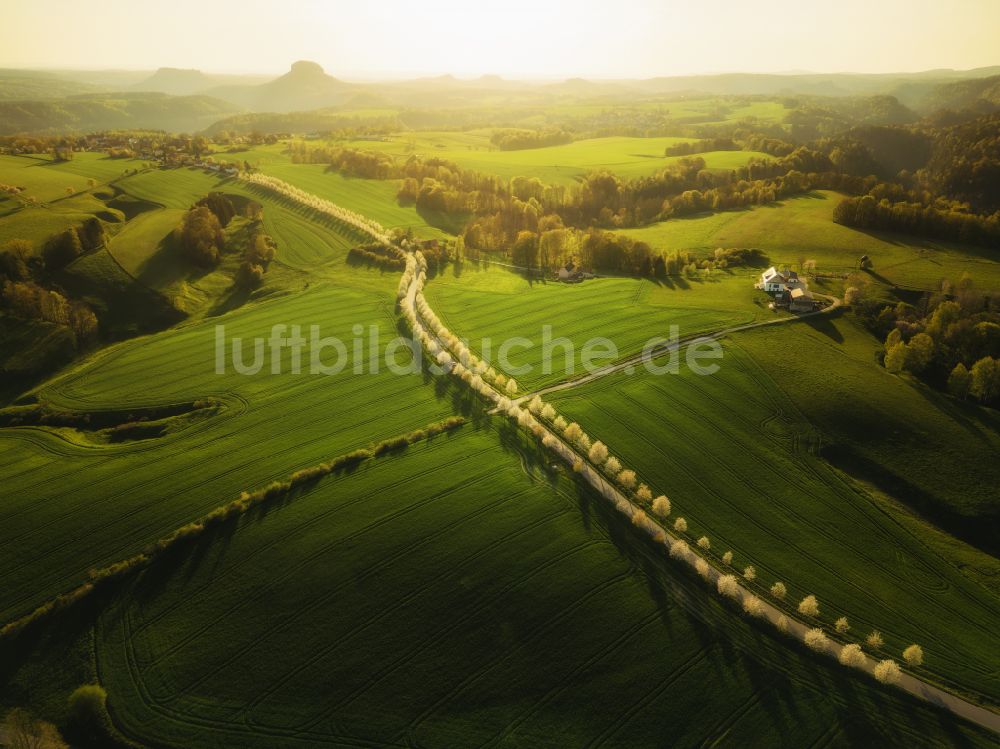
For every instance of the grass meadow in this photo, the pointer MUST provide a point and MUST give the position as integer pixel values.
(803, 228)
(126, 495)
(737, 456)
(500, 304)
(627, 157)
(503, 607)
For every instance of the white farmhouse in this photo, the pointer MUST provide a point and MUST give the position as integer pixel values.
(772, 280)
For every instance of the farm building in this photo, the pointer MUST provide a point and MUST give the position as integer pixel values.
(773, 280)
(570, 273)
(801, 300)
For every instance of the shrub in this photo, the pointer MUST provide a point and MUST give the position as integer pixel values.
(778, 590)
(874, 640)
(914, 655)
(852, 655)
(643, 494)
(727, 558)
(809, 606)
(627, 478)
(680, 525)
(87, 720)
(753, 606)
(842, 625)
(727, 586)
(661, 506)
(704, 543)
(750, 573)
(249, 275)
(887, 672)
(816, 639)
(200, 236)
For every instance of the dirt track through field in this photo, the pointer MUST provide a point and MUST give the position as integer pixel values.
(796, 627)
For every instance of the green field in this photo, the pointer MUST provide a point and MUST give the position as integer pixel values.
(735, 455)
(803, 228)
(502, 607)
(306, 240)
(37, 179)
(499, 304)
(128, 494)
(466, 590)
(564, 165)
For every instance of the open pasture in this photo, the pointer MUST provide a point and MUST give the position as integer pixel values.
(457, 595)
(70, 505)
(627, 157)
(803, 228)
(37, 179)
(500, 304)
(735, 453)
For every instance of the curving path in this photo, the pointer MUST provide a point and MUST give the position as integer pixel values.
(631, 363)
(795, 627)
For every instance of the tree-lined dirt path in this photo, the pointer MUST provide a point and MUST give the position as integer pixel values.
(792, 625)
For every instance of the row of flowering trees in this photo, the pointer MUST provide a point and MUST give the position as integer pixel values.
(345, 215)
(633, 498)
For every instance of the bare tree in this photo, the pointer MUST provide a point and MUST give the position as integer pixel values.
(750, 573)
(842, 625)
(874, 640)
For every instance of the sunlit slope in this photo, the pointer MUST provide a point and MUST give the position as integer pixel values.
(68, 507)
(499, 305)
(736, 457)
(458, 596)
(803, 228)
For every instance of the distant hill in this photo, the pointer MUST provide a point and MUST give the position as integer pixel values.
(175, 81)
(30, 84)
(305, 86)
(318, 120)
(112, 111)
(980, 94)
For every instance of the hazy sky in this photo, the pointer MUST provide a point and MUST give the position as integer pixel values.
(605, 38)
